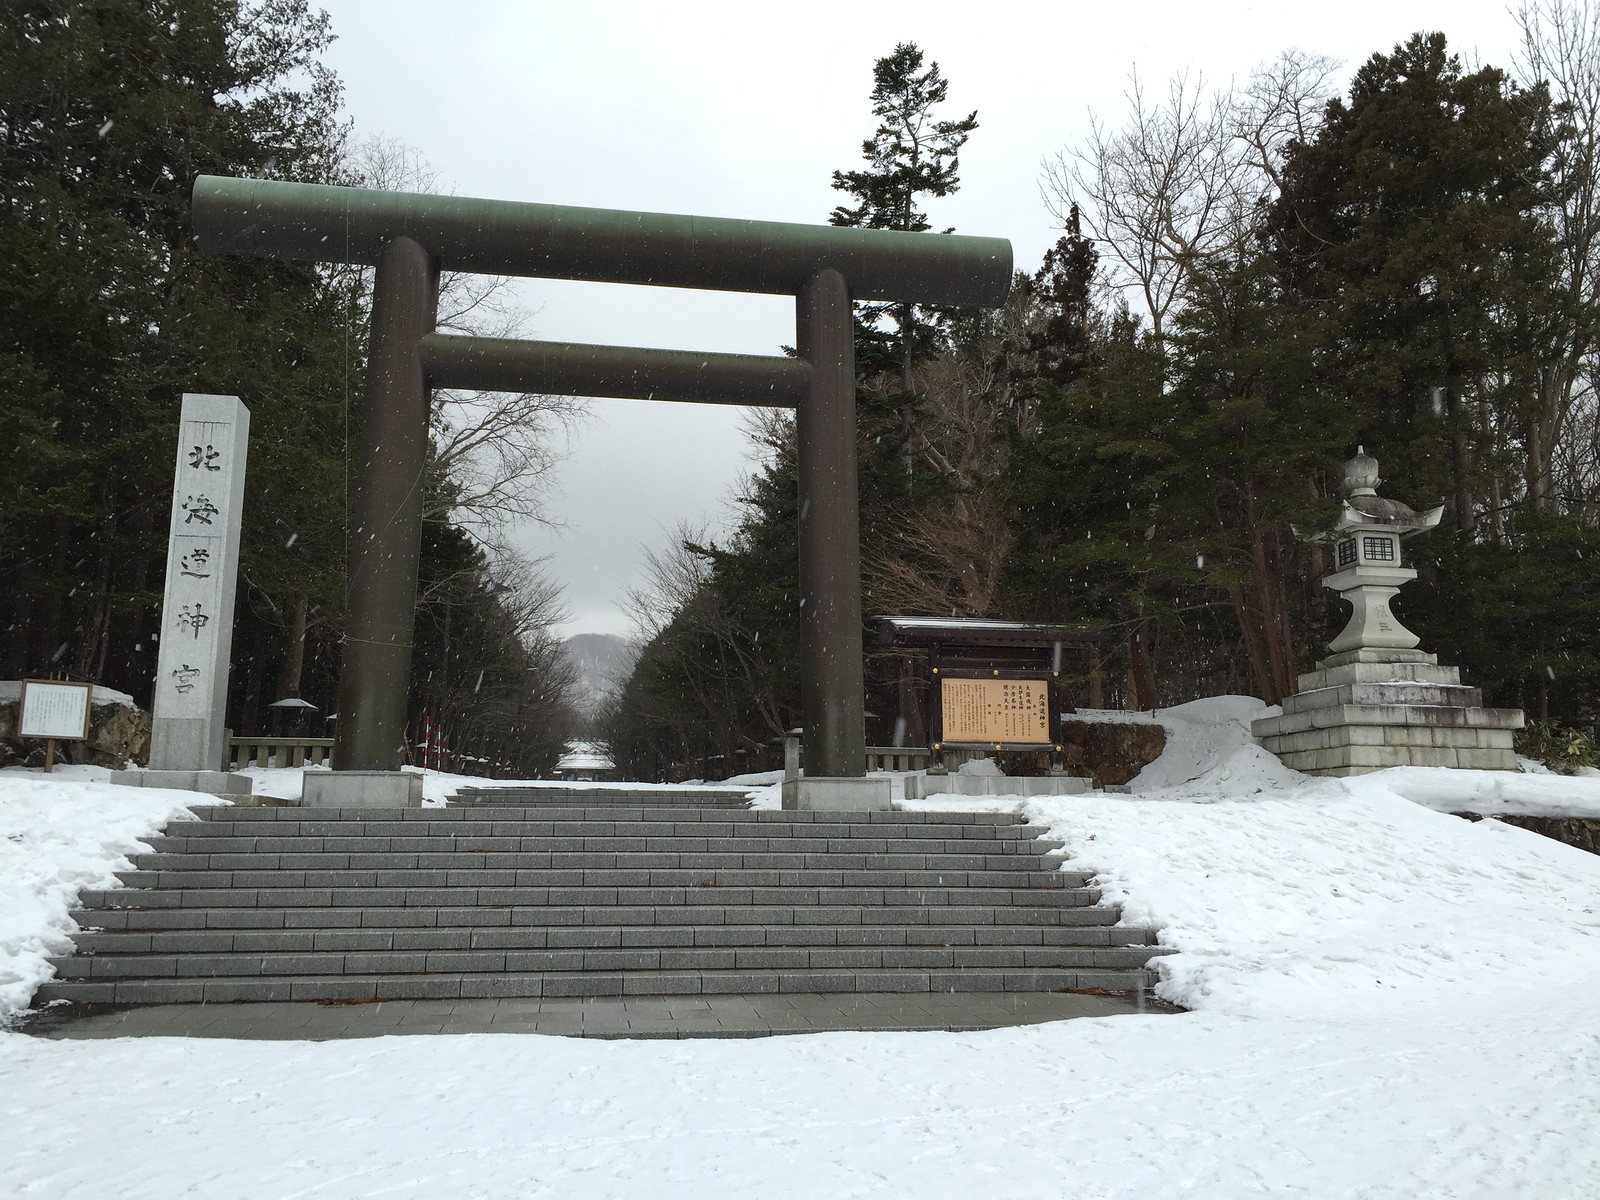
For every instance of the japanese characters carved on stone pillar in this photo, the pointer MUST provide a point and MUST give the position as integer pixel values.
(202, 564)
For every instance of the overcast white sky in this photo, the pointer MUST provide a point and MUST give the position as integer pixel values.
(745, 110)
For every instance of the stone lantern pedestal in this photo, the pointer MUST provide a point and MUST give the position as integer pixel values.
(1377, 701)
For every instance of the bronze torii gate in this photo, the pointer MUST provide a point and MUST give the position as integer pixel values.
(410, 238)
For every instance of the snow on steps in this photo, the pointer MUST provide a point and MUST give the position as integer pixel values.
(536, 900)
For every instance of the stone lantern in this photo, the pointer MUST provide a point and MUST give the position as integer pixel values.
(1377, 701)
(1367, 553)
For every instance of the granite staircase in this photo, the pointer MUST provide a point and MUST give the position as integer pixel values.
(602, 796)
(537, 900)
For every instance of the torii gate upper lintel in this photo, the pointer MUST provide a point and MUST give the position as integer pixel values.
(409, 238)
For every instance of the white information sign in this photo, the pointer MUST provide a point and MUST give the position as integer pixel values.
(202, 568)
(52, 709)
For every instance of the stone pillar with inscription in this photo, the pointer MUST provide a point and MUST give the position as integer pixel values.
(187, 741)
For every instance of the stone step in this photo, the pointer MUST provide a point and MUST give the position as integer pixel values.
(528, 937)
(631, 983)
(641, 916)
(479, 876)
(527, 860)
(590, 901)
(605, 844)
(383, 836)
(592, 826)
(599, 959)
(352, 836)
(541, 805)
(207, 814)
(685, 896)
(596, 798)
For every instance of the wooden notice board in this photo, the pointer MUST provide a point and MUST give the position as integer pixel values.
(1010, 712)
(54, 709)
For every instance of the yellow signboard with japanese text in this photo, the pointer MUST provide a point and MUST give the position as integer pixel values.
(996, 711)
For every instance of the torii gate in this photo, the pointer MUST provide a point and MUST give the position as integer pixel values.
(409, 238)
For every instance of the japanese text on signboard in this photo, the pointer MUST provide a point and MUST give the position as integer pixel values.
(996, 711)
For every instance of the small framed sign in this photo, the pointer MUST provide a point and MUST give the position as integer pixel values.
(55, 710)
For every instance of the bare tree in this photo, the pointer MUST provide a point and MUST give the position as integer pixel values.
(1161, 194)
(722, 660)
(1281, 104)
(1561, 48)
(948, 556)
(498, 450)
(1182, 181)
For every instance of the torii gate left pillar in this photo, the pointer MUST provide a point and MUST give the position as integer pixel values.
(409, 239)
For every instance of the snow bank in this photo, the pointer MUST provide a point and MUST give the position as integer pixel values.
(1542, 794)
(1337, 897)
(56, 838)
(1287, 894)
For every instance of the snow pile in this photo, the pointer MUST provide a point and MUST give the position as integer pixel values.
(1288, 894)
(58, 837)
(1209, 747)
(286, 783)
(1337, 897)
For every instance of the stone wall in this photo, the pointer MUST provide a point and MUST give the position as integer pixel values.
(118, 733)
(1582, 833)
(1111, 752)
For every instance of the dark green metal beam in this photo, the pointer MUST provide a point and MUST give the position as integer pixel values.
(316, 223)
(623, 372)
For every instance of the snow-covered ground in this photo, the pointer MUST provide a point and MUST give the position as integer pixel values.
(1387, 1002)
(285, 783)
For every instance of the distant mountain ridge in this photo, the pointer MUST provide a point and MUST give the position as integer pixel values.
(603, 661)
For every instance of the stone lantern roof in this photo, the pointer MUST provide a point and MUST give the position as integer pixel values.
(1364, 508)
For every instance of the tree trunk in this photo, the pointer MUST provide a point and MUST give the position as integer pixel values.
(21, 618)
(1274, 623)
(1141, 678)
(250, 712)
(1260, 671)
(1533, 442)
(906, 317)
(294, 648)
(913, 732)
(1460, 461)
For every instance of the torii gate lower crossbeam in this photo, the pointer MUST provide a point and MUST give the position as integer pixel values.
(410, 238)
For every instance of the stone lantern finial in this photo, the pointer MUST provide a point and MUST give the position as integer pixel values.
(1361, 474)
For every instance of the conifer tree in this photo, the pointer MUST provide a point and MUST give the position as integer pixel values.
(913, 154)
(1410, 225)
(109, 111)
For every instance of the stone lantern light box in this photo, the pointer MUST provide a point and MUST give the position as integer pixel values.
(1377, 701)
(1368, 561)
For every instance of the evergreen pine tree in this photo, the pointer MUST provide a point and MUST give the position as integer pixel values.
(912, 154)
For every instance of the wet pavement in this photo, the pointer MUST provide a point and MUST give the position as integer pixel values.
(611, 1017)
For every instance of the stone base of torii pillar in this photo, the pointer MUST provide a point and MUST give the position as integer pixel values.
(1377, 701)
